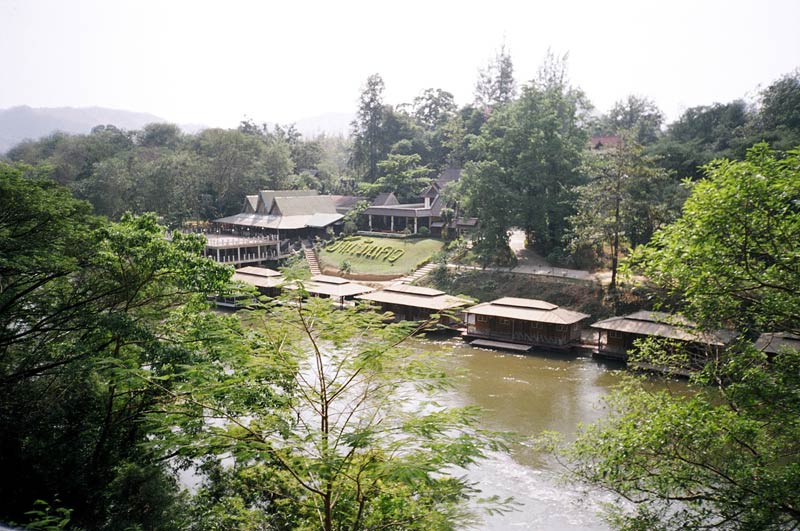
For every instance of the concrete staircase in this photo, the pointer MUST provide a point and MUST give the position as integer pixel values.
(311, 258)
(418, 274)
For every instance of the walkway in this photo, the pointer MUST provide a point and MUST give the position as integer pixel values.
(311, 258)
(418, 274)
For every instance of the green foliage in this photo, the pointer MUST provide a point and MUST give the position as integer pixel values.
(531, 151)
(332, 445)
(733, 253)
(82, 303)
(726, 455)
(626, 200)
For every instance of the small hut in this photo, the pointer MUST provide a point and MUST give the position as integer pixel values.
(521, 324)
(616, 335)
(415, 303)
(775, 342)
(266, 281)
(330, 287)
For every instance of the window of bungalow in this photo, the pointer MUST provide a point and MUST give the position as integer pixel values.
(504, 321)
(561, 328)
(616, 334)
(482, 318)
(537, 324)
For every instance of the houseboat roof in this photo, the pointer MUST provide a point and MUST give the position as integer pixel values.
(774, 342)
(333, 287)
(527, 310)
(415, 296)
(258, 271)
(660, 324)
(260, 277)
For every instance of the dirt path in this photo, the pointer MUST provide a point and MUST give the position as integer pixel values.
(530, 263)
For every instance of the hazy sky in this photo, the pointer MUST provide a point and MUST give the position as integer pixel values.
(217, 62)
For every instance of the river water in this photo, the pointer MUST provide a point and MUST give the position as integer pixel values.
(527, 394)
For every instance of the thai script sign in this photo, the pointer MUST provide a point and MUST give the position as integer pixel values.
(366, 249)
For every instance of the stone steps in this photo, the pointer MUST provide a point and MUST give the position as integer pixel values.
(311, 259)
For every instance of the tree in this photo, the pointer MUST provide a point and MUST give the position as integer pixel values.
(368, 146)
(537, 143)
(82, 300)
(433, 108)
(702, 134)
(625, 201)
(346, 443)
(496, 85)
(403, 175)
(638, 116)
(726, 456)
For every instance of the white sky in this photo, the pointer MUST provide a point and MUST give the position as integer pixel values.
(279, 61)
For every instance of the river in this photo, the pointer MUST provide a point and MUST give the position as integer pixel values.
(528, 394)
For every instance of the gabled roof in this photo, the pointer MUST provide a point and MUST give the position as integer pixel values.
(345, 203)
(250, 204)
(527, 310)
(303, 205)
(432, 191)
(447, 176)
(385, 199)
(774, 342)
(266, 198)
(660, 324)
(416, 297)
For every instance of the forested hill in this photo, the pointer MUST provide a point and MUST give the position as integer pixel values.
(23, 122)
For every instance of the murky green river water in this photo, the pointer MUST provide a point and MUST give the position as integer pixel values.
(527, 394)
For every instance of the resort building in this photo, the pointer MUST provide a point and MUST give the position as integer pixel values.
(616, 335)
(270, 222)
(414, 303)
(521, 324)
(387, 214)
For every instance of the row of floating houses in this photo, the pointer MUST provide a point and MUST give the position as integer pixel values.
(511, 323)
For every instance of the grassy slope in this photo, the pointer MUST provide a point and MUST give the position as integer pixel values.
(416, 252)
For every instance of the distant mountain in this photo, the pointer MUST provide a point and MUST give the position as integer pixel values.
(20, 123)
(332, 124)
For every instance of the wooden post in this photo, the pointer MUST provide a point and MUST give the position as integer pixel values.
(370, 222)
(415, 225)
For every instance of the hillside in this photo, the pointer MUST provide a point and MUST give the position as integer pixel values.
(20, 123)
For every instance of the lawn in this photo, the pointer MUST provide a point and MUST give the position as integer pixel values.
(378, 256)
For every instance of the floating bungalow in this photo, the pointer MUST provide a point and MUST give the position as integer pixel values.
(520, 324)
(328, 287)
(415, 303)
(267, 281)
(774, 342)
(616, 335)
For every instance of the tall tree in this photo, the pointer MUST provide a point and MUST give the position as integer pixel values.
(331, 449)
(496, 85)
(368, 141)
(625, 201)
(726, 456)
(637, 116)
(538, 142)
(81, 300)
